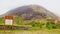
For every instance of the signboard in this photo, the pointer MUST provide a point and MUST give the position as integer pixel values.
(8, 20)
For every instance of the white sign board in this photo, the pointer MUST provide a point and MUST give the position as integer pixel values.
(8, 22)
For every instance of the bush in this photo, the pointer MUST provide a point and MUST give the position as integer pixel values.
(19, 21)
(38, 24)
(34, 24)
(50, 25)
(58, 25)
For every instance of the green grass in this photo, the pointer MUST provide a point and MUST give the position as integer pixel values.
(1, 21)
(37, 28)
(42, 31)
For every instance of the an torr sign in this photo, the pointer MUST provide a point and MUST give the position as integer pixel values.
(8, 20)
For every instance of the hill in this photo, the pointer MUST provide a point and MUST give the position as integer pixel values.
(32, 13)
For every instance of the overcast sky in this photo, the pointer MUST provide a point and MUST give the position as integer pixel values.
(51, 5)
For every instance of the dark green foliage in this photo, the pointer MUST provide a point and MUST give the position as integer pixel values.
(50, 25)
(54, 27)
(34, 24)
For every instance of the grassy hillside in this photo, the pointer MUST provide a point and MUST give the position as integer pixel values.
(35, 25)
(39, 27)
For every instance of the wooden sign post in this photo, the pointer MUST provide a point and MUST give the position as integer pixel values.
(8, 21)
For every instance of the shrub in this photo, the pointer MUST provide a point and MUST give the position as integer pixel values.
(50, 25)
(19, 21)
(58, 25)
(38, 24)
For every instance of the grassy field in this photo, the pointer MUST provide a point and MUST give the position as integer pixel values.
(50, 28)
(44, 31)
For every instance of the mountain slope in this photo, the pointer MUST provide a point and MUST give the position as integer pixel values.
(31, 12)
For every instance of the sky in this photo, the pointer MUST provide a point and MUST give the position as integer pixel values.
(51, 5)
